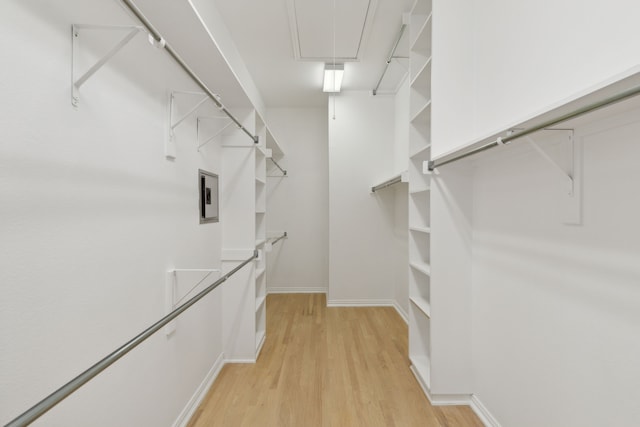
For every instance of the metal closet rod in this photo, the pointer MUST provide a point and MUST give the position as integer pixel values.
(461, 154)
(391, 56)
(386, 184)
(63, 392)
(278, 166)
(159, 39)
(279, 238)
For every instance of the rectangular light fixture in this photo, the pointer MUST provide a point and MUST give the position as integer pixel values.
(332, 77)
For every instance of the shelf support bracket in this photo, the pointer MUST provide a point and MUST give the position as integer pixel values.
(173, 122)
(171, 297)
(573, 204)
(567, 177)
(211, 138)
(75, 46)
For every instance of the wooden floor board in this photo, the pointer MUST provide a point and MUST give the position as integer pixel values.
(326, 367)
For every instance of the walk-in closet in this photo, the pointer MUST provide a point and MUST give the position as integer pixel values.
(319, 213)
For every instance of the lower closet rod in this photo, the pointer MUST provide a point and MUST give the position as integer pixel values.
(40, 408)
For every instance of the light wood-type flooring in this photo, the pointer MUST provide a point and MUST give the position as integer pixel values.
(326, 367)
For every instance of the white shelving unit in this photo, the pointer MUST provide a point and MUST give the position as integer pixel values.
(420, 192)
(267, 147)
(261, 232)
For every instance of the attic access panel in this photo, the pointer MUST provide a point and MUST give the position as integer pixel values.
(208, 190)
(311, 26)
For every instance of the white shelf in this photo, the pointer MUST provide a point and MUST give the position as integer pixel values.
(426, 230)
(420, 190)
(260, 212)
(422, 304)
(261, 181)
(422, 39)
(422, 267)
(423, 114)
(421, 7)
(260, 301)
(260, 242)
(262, 150)
(425, 68)
(420, 151)
(259, 272)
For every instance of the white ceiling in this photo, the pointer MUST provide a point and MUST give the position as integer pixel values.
(264, 32)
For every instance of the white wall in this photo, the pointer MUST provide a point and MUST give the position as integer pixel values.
(299, 204)
(555, 307)
(526, 57)
(361, 224)
(92, 216)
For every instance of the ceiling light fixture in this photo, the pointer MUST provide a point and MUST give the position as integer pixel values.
(332, 77)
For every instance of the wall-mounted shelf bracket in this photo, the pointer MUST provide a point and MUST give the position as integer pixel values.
(76, 29)
(565, 176)
(172, 300)
(569, 174)
(217, 134)
(174, 121)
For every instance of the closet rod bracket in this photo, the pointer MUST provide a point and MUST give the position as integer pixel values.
(569, 171)
(174, 122)
(567, 177)
(76, 29)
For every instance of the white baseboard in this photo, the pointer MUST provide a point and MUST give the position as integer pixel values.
(238, 360)
(191, 407)
(361, 303)
(296, 290)
(401, 312)
(259, 349)
(450, 399)
(483, 413)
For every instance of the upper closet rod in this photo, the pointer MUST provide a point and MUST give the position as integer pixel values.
(461, 154)
(161, 41)
(391, 56)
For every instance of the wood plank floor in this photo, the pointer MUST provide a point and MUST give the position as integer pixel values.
(326, 367)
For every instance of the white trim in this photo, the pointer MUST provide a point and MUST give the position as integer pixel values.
(483, 413)
(421, 382)
(450, 399)
(259, 349)
(401, 312)
(239, 361)
(296, 290)
(200, 393)
(361, 303)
